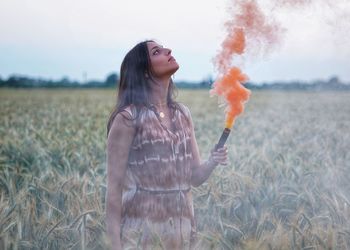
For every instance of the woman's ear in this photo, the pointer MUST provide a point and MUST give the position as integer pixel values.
(146, 75)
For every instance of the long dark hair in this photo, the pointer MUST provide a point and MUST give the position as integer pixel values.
(133, 86)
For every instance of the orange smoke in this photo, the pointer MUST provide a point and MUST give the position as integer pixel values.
(233, 44)
(235, 94)
(249, 33)
(248, 27)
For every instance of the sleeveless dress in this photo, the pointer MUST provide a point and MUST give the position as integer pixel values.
(157, 204)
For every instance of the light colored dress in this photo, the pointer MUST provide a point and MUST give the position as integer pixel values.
(157, 204)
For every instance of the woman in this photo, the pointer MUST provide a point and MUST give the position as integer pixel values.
(152, 156)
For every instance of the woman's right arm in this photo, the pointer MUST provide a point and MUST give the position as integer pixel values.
(118, 144)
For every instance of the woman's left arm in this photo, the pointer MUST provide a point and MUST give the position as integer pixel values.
(202, 170)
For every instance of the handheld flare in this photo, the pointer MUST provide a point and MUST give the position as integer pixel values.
(223, 138)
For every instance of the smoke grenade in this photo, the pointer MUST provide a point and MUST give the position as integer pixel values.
(223, 138)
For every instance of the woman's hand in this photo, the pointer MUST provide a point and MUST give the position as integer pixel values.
(219, 156)
(201, 173)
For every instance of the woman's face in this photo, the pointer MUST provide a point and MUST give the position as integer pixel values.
(162, 62)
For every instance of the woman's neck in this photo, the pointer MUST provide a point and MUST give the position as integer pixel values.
(159, 94)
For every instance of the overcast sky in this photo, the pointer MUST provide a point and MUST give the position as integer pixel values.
(53, 39)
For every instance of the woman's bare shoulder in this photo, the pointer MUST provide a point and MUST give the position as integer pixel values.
(128, 110)
(122, 124)
(185, 109)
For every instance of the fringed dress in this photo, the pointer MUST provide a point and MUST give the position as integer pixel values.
(157, 205)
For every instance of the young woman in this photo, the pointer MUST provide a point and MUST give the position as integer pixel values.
(152, 156)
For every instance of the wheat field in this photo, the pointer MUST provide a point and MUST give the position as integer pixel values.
(286, 187)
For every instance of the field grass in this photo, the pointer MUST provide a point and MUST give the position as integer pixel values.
(286, 187)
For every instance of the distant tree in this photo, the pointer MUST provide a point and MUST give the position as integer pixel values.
(206, 82)
(334, 80)
(16, 81)
(111, 80)
(65, 80)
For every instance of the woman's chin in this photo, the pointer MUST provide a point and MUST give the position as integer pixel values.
(168, 72)
(175, 68)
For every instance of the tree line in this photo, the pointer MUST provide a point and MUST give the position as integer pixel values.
(111, 81)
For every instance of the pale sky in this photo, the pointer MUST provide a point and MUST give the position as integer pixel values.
(53, 39)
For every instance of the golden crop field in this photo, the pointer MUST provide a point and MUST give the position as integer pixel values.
(287, 185)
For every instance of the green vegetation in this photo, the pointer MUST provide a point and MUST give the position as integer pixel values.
(111, 81)
(286, 187)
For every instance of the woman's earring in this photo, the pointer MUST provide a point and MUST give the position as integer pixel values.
(146, 75)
